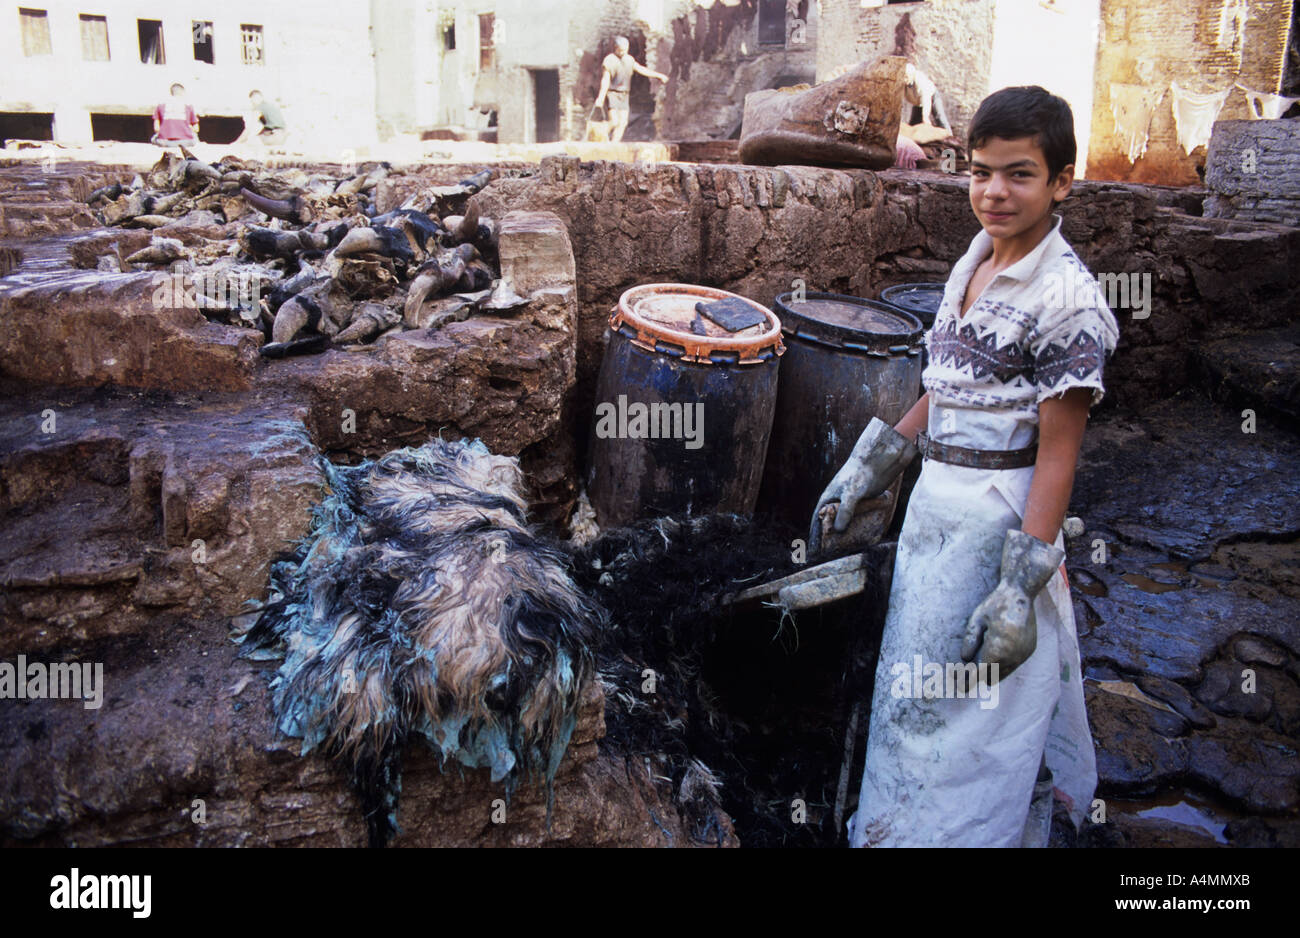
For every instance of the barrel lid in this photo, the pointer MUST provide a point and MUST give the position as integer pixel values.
(659, 317)
(849, 322)
(922, 300)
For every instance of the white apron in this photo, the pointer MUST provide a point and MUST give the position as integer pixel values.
(960, 771)
(950, 770)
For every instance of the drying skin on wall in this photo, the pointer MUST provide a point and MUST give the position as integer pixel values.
(421, 605)
(1132, 107)
(1194, 114)
(1265, 105)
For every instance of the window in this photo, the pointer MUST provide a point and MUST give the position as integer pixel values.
(202, 34)
(486, 40)
(771, 22)
(151, 42)
(94, 38)
(250, 38)
(449, 38)
(35, 26)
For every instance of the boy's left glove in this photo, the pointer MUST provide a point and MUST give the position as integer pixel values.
(1002, 629)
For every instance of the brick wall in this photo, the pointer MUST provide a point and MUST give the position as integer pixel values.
(1253, 171)
(1203, 47)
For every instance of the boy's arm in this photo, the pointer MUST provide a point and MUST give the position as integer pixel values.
(1061, 422)
(915, 420)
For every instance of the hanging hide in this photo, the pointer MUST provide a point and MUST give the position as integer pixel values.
(1194, 115)
(1132, 107)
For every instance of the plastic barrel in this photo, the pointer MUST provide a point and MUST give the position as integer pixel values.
(921, 300)
(847, 360)
(683, 407)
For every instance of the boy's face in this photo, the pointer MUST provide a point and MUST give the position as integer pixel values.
(1010, 189)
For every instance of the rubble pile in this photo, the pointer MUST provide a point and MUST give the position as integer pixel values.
(306, 258)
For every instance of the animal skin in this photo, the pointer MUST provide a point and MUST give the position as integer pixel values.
(421, 605)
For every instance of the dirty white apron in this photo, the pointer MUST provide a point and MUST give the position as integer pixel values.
(960, 771)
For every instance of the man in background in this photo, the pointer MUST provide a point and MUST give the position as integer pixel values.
(263, 122)
(920, 91)
(174, 121)
(616, 81)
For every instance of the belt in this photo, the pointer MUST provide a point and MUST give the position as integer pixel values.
(976, 458)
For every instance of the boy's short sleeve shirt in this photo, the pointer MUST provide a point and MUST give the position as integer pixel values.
(1039, 328)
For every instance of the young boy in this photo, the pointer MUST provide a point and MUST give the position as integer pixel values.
(1016, 355)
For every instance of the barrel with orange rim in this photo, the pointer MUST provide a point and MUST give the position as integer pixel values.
(683, 406)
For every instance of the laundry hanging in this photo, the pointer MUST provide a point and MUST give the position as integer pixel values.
(1132, 107)
(1194, 114)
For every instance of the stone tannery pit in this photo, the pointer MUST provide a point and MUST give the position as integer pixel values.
(161, 446)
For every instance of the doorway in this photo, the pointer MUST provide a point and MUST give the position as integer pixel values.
(546, 104)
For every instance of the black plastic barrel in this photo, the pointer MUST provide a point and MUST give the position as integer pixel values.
(921, 300)
(683, 408)
(847, 360)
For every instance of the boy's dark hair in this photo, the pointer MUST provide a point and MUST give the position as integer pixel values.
(175, 85)
(1027, 111)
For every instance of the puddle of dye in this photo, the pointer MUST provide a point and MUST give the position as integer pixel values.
(1148, 585)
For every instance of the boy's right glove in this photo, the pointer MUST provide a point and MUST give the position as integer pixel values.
(878, 457)
(1002, 629)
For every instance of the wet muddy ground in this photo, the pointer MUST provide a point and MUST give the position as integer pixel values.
(1187, 599)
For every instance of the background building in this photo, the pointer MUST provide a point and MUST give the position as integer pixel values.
(77, 72)
(1122, 65)
(1146, 79)
(351, 72)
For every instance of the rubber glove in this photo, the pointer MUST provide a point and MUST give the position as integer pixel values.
(1002, 630)
(878, 458)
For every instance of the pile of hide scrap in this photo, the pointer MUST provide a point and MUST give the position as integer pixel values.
(306, 258)
(747, 707)
(660, 581)
(421, 605)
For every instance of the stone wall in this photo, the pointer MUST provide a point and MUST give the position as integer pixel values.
(755, 230)
(1253, 171)
(716, 59)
